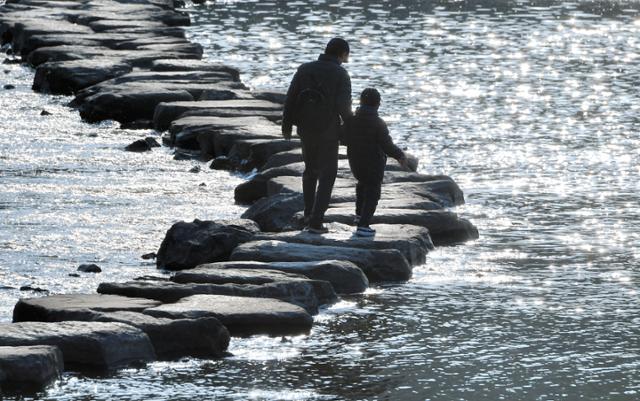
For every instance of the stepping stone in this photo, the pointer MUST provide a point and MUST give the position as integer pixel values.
(445, 227)
(68, 77)
(309, 294)
(241, 315)
(414, 242)
(345, 277)
(378, 265)
(187, 245)
(168, 112)
(172, 339)
(55, 308)
(29, 368)
(84, 345)
(193, 65)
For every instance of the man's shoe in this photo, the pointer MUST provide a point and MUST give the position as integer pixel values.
(365, 232)
(321, 229)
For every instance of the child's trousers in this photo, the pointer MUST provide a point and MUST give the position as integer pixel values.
(367, 197)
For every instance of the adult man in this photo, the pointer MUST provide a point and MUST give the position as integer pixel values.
(318, 101)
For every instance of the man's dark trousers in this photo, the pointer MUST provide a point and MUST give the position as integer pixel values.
(320, 155)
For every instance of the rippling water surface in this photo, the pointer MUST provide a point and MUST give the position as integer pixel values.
(531, 106)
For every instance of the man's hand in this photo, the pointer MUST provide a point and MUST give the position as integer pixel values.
(286, 133)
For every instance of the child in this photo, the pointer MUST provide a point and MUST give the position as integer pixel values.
(368, 144)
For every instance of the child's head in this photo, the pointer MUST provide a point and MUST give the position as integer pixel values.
(370, 97)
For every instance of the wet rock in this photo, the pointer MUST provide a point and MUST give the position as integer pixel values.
(194, 169)
(241, 315)
(126, 106)
(34, 289)
(68, 77)
(150, 255)
(344, 276)
(29, 368)
(256, 152)
(193, 65)
(45, 113)
(167, 112)
(171, 339)
(378, 265)
(224, 163)
(84, 345)
(56, 308)
(275, 97)
(139, 145)
(187, 245)
(137, 124)
(89, 268)
(445, 227)
(414, 242)
(73, 275)
(9, 87)
(307, 293)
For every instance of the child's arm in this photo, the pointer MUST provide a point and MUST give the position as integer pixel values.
(389, 147)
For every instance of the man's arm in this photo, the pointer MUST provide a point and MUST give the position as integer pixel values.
(343, 97)
(289, 107)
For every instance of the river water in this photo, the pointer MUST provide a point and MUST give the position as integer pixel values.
(531, 106)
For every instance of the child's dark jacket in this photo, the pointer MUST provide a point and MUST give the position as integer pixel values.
(368, 145)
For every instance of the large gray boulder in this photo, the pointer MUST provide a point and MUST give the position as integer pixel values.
(171, 339)
(29, 368)
(378, 265)
(344, 276)
(241, 315)
(68, 77)
(304, 292)
(187, 245)
(414, 242)
(84, 345)
(55, 308)
(167, 112)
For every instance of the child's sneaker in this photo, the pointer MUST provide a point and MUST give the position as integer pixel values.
(365, 232)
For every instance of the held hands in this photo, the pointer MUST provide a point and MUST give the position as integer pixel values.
(404, 163)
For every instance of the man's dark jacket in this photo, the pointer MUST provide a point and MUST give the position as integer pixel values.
(368, 144)
(336, 86)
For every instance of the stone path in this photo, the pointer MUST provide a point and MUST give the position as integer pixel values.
(129, 61)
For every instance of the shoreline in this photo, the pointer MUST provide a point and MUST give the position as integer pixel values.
(211, 115)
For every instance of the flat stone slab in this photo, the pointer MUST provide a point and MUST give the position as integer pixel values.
(84, 345)
(171, 339)
(167, 112)
(29, 367)
(304, 292)
(187, 245)
(55, 308)
(378, 265)
(193, 65)
(241, 315)
(68, 77)
(205, 275)
(445, 227)
(414, 242)
(345, 277)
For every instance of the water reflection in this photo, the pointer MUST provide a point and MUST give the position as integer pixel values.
(531, 106)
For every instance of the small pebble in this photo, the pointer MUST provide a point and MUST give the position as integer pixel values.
(202, 184)
(89, 268)
(150, 255)
(74, 275)
(34, 289)
(195, 169)
(9, 86)
(45, 113)
(7, 71)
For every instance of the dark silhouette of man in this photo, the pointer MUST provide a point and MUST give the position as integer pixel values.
(318, 102)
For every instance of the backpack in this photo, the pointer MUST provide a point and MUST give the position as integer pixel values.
(313, 112)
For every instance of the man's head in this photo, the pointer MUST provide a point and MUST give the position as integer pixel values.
(339, 48)
(370, 97)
